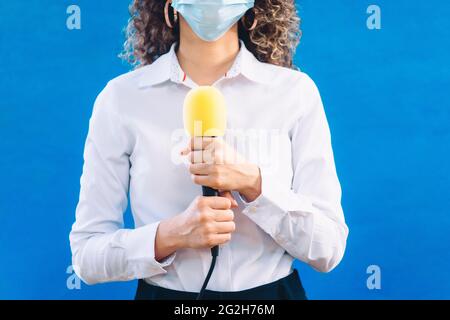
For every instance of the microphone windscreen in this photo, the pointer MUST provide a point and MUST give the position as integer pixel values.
(205, 112)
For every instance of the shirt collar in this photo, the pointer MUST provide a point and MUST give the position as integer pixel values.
(167, 67)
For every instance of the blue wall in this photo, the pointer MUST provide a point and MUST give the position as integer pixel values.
(386, 93)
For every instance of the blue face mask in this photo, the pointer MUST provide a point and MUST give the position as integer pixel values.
(211, 19)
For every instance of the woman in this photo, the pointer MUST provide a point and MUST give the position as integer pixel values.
(280, 205)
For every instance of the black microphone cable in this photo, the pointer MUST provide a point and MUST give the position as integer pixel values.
(214, 254)
(209, 192)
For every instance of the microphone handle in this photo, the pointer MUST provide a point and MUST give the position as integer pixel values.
(210, 192)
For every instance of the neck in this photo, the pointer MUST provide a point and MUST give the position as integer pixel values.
(206, 62)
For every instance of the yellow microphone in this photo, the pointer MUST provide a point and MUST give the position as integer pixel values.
(205, 112)
(205, 115)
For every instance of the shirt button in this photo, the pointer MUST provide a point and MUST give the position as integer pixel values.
(253, 209)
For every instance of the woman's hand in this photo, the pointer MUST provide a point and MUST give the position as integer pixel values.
(206, 223)
(217, 165)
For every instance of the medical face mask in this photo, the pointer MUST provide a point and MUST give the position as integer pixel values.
(211, 19)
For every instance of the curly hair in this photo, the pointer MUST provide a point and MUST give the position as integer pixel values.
(274, 40)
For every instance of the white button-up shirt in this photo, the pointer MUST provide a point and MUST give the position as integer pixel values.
(133, 150)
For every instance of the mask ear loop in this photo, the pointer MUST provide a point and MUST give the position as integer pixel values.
(166, 14)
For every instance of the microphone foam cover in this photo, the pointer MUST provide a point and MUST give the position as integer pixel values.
(205, 112)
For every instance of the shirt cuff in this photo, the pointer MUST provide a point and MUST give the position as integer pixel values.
(274, 203)
(140, 252)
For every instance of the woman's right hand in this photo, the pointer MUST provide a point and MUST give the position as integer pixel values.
(206, 223)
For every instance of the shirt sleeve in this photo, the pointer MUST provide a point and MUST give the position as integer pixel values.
(102, 250)
(306, 218)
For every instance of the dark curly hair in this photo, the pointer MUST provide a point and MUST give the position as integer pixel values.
(274, 39)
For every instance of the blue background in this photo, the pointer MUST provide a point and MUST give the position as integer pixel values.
(386, 94)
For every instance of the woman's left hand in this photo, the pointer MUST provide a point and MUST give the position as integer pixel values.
(217, 165)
